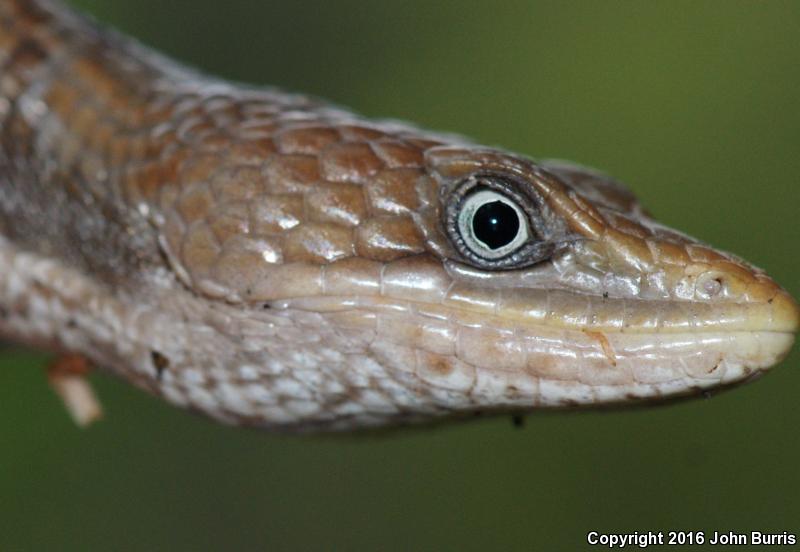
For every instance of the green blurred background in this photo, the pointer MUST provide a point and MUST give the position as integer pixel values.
(694, 104)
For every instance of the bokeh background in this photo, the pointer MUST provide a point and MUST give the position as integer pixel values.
(694, 104)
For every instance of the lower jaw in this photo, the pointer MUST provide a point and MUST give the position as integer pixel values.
(656, 367)
(556, 368)
(467, 363)
(604, 368)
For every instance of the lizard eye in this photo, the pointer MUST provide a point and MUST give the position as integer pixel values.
(491, 224)
(497, 223)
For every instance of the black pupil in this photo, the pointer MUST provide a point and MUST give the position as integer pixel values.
(496, 224)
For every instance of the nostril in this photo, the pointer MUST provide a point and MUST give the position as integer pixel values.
(713, 287)
(710, 285)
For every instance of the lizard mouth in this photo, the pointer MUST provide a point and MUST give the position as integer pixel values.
(578, 311)
(522, 358)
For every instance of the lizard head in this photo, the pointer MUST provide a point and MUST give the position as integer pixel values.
(425, 277)
(571, 252)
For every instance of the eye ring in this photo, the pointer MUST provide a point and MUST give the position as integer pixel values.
(491, 224)
(529, 245)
